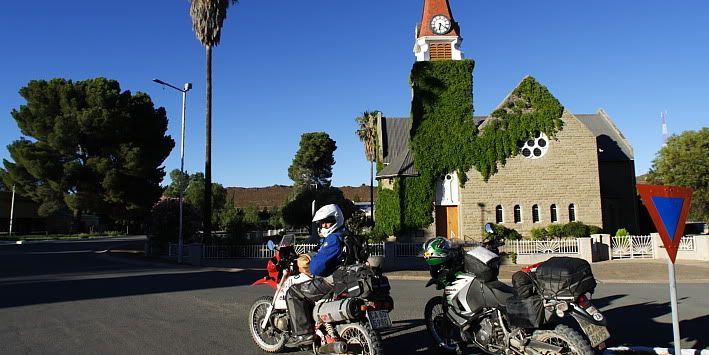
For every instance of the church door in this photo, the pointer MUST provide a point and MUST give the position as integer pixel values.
(447, 221)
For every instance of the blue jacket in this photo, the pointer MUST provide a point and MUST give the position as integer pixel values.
(329, 257)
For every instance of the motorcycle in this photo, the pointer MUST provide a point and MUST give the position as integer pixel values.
(539, 315)
(346, 322)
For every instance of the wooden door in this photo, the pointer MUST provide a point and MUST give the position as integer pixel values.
(447, 221)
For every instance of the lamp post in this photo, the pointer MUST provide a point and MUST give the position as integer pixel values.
(184, 91)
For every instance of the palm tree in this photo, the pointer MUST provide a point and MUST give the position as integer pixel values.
(367, 133)
(207, 20)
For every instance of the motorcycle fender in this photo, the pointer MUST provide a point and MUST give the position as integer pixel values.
(265, 281)
(580, 314)
(431, 282)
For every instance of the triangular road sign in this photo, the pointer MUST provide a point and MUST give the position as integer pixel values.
(668, 207)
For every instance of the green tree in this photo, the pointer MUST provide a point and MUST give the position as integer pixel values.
(298, 212)
(684, 161)
(195, 192)
(367, 134)
(207, 20)
(180, 180)
(312, 164)
(88, 147)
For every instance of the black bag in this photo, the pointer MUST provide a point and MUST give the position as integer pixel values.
(355, 250)
(526, 312)
(565, 277)
(483, 271)
(523, 284)
(359, 281)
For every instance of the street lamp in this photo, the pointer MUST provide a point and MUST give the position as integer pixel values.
(184, 91)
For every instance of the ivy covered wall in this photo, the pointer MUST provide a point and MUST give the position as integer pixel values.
(444, 137)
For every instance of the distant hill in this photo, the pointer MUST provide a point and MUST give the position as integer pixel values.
(276, 195)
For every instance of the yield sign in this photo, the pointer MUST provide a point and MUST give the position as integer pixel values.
(668, 207)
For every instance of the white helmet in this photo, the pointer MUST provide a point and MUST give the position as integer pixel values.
(331, 212)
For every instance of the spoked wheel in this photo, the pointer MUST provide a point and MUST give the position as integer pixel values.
(566, 338)
(269, 339)
(361, 339)
(439, 326)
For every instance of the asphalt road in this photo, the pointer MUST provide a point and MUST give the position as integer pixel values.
(59, 298)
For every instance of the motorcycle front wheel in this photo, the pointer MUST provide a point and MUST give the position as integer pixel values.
(439, 326)
(361, 339)
(568, 339)
(270, 340)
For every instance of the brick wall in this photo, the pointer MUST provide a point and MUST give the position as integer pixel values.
(566, 174)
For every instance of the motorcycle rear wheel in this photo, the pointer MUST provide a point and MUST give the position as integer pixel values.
(439, 326)
(361, 339)
(570, 340)
(270, 340)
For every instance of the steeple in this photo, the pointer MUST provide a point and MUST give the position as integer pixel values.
(437, 35)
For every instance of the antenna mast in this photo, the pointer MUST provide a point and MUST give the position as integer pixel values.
(664, 127)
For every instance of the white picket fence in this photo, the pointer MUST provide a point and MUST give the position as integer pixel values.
(643, 247)
(260, 251)
(551, 246)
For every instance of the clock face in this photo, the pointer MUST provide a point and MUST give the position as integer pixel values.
(440, 24)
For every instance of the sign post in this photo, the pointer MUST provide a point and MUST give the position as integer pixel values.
(668, 207)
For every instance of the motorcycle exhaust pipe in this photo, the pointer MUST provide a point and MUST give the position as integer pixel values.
(339, 310)
(338, 347)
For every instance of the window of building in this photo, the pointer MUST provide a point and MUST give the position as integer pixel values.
(552, 214)
(499, 215)
(572, 213)
(535, 214)
(534, 147)
(518, 214)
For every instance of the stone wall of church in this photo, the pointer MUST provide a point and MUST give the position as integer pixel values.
(567, 174)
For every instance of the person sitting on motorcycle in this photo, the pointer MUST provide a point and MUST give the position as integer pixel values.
(301, 298)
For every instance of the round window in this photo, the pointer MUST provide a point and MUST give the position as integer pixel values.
(535, 147)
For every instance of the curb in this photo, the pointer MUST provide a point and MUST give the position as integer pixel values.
(651, 350)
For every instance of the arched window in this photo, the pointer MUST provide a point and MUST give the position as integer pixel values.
(518, 214)
(552, 214)
(498, 215)
(572, 213)
(535, 214)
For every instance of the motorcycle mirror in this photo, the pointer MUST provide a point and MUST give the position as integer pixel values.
(488, 228)
(270, 245)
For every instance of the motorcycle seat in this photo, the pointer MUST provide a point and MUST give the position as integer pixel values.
(500, 291)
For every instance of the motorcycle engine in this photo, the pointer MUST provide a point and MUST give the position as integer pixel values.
(281, 322)
(483, 335)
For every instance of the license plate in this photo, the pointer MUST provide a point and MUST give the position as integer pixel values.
(597, 334)
(379, 319)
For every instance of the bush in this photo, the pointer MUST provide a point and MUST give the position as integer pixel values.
(506, 233)
(538, 233)
(575, 230)
(621, 232)
(555, 231)
(165, 221)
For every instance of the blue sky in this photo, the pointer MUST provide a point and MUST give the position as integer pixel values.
(289, 67)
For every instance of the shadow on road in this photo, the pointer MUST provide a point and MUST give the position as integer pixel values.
(630, 325)
(49, 291)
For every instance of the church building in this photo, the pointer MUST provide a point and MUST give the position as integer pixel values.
(568, 167)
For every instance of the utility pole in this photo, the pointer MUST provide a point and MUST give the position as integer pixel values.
(12, 210)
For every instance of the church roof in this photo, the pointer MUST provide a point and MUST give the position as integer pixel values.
(612, 144)
(432, 8)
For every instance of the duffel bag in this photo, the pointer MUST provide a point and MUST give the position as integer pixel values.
(525, 313)
(565, 277)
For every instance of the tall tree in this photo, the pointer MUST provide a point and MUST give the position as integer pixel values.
(207, 20)
(194, 194)
(92, 148)
(180, 180)
(312, 164)
(684, 161)
(367, 134)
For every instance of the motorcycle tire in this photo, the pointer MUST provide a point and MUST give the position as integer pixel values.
(270, 340)
(439, 326)
(361, 339)
(570, 340)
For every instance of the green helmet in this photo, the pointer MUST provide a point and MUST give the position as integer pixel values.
(435, 251)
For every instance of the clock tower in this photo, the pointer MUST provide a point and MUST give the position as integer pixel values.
(437, 35)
